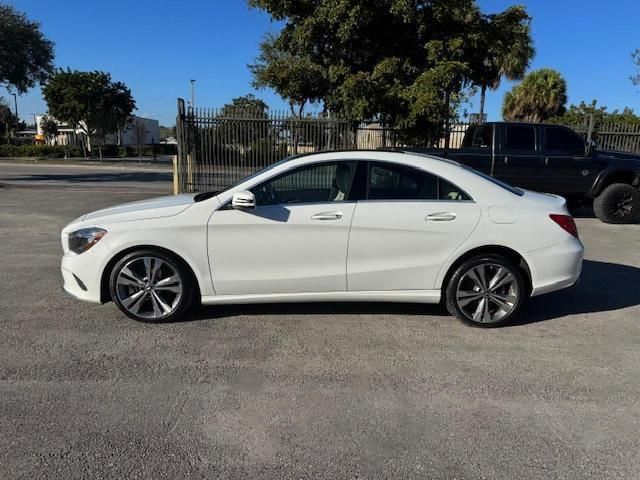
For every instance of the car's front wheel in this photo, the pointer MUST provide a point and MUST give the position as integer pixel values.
(151, 286)
(486, 291)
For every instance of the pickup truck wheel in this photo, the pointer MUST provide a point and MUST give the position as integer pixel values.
(618, 203)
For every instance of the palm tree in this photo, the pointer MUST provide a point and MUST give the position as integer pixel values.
(541, 95)
(505, 49)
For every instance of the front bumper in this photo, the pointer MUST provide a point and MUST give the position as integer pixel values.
(557, 267)
(82, 273)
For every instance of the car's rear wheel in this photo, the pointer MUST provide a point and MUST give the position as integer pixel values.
(151, 286)
(618, 203)
(486, 291)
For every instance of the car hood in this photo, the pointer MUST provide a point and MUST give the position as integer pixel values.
(151, 208)
(618, 155)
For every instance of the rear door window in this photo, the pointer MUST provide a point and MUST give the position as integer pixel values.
(562, 141)
(520, 138)
(389, 181)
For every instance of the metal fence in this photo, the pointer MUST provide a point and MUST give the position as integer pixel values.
(624, 137)
(217, 147)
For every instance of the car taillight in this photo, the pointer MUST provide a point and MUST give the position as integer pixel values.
(567, 223)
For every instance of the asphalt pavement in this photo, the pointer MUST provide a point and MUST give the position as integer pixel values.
(307, 391)
(128, 177)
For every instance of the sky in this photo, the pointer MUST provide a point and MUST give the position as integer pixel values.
(157, 46)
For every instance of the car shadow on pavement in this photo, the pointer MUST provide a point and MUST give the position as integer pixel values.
(603, 287)
(205, 312)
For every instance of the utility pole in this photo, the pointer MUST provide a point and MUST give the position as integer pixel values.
(193, 95)
(15, 103)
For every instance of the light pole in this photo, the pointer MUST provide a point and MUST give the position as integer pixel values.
(193, 95)
(15, 104)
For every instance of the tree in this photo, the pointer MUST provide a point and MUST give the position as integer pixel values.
(166, 132)
(26, 56)
(7, 119)
(90, 102)
(407, 63)
(576, 115)
(230, 131)
(635, 56)
(49, 128)
(296, 78)
(504, 49)
(541, 95)
(139, 134)
(247, 106)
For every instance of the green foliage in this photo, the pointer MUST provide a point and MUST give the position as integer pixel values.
(166, 132)
(503, 47)
(26, 56)
(635, 56)
(89, 101)
(49, 128)
(578, 115)
(228, 131)
(71, 151)
(247, 106)
(294, 77)
(541, 95)
(7, 120)
(39, 151)
(408, 63)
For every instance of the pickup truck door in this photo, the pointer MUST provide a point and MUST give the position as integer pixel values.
(566, 169)
(519, 160)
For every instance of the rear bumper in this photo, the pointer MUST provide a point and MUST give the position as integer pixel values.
(557, 267)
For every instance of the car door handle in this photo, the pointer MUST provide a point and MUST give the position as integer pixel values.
(441, 217)
(327, 216)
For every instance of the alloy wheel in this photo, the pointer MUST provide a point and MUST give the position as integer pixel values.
(623, 206)
(487, 293)
(149, 287)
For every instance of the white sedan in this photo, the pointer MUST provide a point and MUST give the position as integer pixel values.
(337, 226)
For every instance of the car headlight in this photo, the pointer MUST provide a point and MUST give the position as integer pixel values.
(82, 240)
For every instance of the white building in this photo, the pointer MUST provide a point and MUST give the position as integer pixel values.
(147, 128)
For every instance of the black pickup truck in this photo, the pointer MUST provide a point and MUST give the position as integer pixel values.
(553, 159)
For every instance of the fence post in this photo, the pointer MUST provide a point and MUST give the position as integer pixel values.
(176, 185)
(590, 128)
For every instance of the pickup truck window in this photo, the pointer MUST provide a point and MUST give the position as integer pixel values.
(520, 137)
(478, 136)
(562, 141)
(388, 181)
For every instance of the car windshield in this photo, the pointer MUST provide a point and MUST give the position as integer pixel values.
(506, 186)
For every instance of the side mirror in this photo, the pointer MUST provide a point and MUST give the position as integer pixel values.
(242, 200)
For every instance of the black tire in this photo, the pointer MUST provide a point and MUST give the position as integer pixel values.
(458, 281)
(618, 203)
(179, 304)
